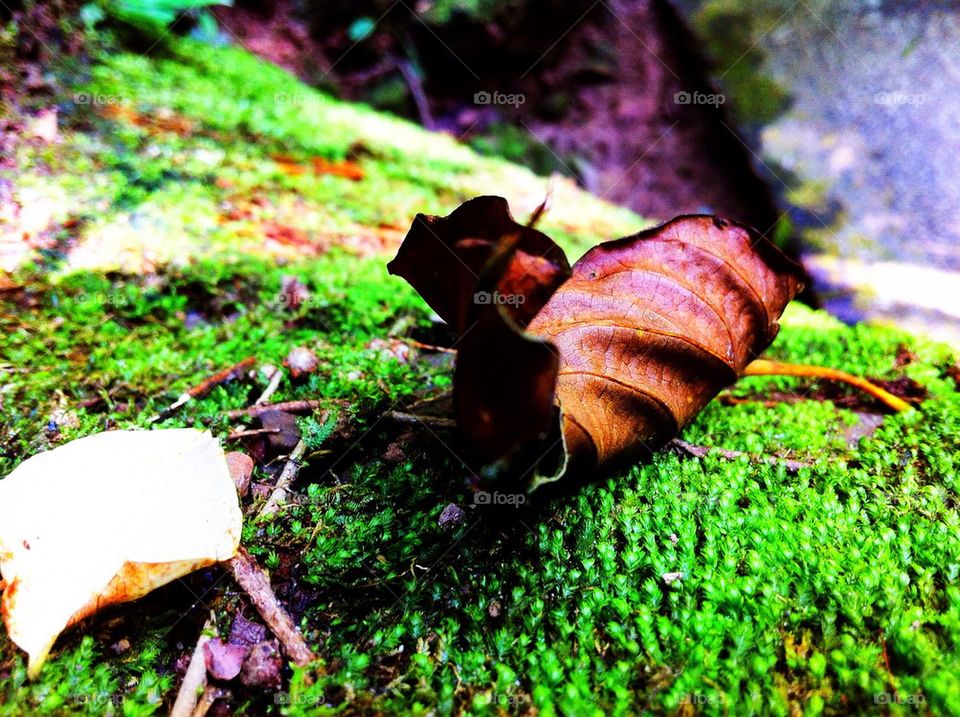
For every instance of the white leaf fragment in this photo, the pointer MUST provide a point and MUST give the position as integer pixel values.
(106, 519)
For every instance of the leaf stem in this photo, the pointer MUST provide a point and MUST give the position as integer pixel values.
(764, 367)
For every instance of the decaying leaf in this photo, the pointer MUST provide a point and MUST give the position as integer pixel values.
(106, 519)
(618, 355)
(443, 258)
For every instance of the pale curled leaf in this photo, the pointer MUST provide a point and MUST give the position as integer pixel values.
(106, 519)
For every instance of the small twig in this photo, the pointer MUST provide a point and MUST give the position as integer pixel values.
(285, 406)
(695, 451)
(195, 678)
(252, 432)
(541, 209)
(763, 367)
(280, 491)
(209, 696)
(420, 99)
(255, 582)
(376, 71)
(205, 386)
(445, 396)
(428, 347)
(434, 421)
(886, 663)
(271, 387)
(400, 326)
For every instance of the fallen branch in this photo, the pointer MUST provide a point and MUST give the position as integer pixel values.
(763, 367)
(695, 451)
(285, 406)
(280, 491)
(256, 584)
(195, 678)
(204, 387)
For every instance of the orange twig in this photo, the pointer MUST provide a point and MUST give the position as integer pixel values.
(428, 347)
(763, 367)
(205, 386)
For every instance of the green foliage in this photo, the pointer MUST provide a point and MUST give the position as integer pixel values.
(315, 433)
(519, 145)
(152, 17)
(78, 683)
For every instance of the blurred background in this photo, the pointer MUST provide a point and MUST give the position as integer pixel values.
(833, 126)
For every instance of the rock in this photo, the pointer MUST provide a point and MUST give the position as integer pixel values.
(451, 517)
(240, 466)
(223, 660)
(287, 431)
(262, 666)
(301, 361)
(860, 152)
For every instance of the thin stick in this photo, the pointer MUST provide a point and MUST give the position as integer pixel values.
(435, 421)
(209, 696)
(255, 582)
(695, 451)
(205, 386)
(252, 432)
(195, 678)
(285, 406)
(271, 387)
(415, 86)
(428, 347)
(763, 367)
(280, 491)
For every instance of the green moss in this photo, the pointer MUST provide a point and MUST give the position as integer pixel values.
(797, 590)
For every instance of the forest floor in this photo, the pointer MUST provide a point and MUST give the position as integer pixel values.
(157, 236)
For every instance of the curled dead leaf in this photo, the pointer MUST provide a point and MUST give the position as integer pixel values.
(443, 258)
(617, 355)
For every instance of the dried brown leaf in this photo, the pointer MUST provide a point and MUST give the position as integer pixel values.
(645, 331)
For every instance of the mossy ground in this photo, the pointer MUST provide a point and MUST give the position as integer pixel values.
(832, 590)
